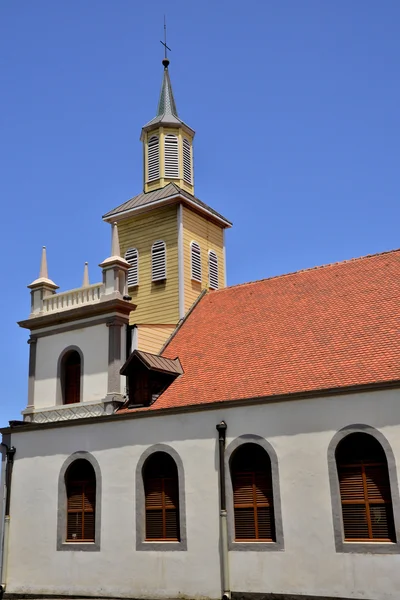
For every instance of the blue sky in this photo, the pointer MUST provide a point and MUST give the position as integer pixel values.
(296, 109)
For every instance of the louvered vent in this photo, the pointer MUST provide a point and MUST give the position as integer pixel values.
(213, 270)
(132, 257)
(171, 156)
(195, 261)
(153, 159)
(158, 261)
(187, 161)
(365, 490)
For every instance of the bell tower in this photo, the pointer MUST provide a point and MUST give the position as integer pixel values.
(174, 243)
(168, 144)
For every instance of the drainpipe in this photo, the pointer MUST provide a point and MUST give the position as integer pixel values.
(226, 592)
(10, 452)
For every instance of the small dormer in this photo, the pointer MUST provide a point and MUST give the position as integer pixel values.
(148, 376)
(168, 144)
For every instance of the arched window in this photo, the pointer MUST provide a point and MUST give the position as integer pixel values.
(213, 270)
(171, 156)
(187, 161)
(364, 489)
(153, 159)
(132, 256)
(71, 377)
(161, 489)
(80, 484)
(195, 257)
(158, 261)
(252, 494)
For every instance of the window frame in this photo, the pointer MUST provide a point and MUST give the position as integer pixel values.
(62, 543)
(171, 155)
(159, 545)
(259, 545)
(187, 161)
(368, 546)
(60, 375)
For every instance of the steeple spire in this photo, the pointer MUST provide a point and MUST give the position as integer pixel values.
(166, 103)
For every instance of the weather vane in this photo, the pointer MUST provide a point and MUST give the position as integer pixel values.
(164, 43)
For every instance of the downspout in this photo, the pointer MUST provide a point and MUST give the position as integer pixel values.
(226, 591)
(10, 452)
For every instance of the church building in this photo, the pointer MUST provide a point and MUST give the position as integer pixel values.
(185, 439)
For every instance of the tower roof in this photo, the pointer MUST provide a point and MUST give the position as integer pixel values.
(167, 113)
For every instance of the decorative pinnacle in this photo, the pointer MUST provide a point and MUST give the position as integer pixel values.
(115, 249)
(85, 282)
(43, 273)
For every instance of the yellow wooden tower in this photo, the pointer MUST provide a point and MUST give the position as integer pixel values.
(173, 242)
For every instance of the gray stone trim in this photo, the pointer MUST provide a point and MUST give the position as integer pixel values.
(254, 546)
(62, 507)
(272, 596)
(362, 547)
(141, 544)
(114, 355)
(32, 369)
(59, 394)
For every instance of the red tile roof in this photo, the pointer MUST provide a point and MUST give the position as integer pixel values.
(328, 327)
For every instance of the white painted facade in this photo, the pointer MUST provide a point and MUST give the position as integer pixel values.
(300, 433)
(93, 343)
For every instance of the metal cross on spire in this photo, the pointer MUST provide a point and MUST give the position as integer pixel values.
(164, 43)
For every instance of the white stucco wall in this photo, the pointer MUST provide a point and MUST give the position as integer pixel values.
(93, 342)
(300, 433)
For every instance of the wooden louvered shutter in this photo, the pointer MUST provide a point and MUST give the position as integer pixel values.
(153, 159)
(132, 256)
(158, 261)
(72, 378)
(81, 501)
(161, 499)
(213, 270)
(365, 491)
(187, 161)
(252, 495)
(195, 261)
(171, 156)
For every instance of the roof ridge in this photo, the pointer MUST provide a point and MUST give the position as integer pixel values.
(326, 266)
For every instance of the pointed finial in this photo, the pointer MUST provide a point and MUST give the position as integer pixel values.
(165, 61)
(115, 250)
(43, 273)
(85, 282)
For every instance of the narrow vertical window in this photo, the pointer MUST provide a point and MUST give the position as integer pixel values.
(171, 156)
(132, 257)
(213, 270)
(153, 159)
(158, 261)
(161, 488)
(195, 257)
(80, 482)
(365, 490)
(252, 494)
(187, 161)
(71, 377)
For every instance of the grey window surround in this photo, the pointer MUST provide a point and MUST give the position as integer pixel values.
(362, 547)
(278, 545)
(141, 543)
(62, 507)
(59, 392)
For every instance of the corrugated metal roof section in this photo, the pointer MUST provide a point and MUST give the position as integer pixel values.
(170, 190)
(154, 362)
(161, 363)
